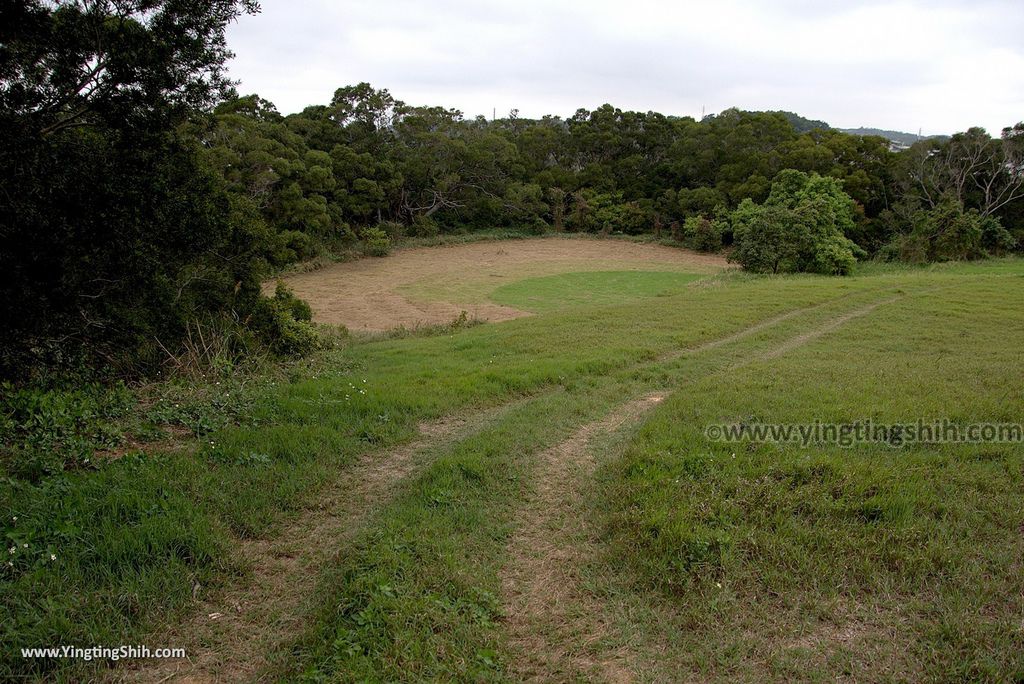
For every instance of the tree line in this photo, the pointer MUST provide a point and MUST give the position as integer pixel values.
(366, 159)
(141, 194)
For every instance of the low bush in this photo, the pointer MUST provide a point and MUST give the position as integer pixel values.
(423, 226)
(702, 234)
(300, 244)
(393, 229)
(284, 323)
(947, 233)
(376, 242)
(537, 227)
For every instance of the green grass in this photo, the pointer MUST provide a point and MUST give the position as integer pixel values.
(418, 597)
(571, 290)
(826, 552)
(870, 561)
(1011, 266)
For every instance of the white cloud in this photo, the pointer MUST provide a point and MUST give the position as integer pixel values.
(941, 65)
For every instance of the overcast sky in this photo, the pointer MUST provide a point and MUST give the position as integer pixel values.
(937, 65)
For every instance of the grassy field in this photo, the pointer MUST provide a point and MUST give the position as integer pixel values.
(655, 554)
(571, 290)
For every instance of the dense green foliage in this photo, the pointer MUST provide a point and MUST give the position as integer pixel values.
(365, 158)
(801, 227)
(332, 171)
(117, 233)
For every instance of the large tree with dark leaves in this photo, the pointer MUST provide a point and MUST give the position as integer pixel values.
(113, 232)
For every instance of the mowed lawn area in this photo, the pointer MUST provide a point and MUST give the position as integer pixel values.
(542, 497)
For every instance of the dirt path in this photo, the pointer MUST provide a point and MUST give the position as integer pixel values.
(551, 621)
(812, 335)
(553, 624)
(429, 285)
(232, 633)
(739, 335)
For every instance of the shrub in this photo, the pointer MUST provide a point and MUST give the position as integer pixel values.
(293, 338)
(299, 244)
(298, 308)
(698, 200)
(423, 226)
(592, 211)
(376, 242)
(283, 322)
(994, 238)
(538, 226)
(955, 235)
(524, 204)
(393, 229)
(627, 217)
(766, 239)
(910, 249)
(945, 233)
(702, 234)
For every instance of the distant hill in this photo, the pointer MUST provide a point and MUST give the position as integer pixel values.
(899, 139)
(895, 136)
(801, 124)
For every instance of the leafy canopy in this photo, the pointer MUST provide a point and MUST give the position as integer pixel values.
(115, 232)
(801, 227)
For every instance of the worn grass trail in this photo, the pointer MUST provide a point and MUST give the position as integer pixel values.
(550, 623)
(231, 632)
(555, 629)
(744, 333)
(418, 599)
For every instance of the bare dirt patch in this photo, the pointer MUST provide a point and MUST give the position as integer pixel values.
(431, 285)
(554, 626)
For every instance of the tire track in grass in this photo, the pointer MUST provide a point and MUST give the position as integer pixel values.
(232, 633)
(550, 622)
(230, 636)
(740, 334)
(821, 331)
(759, 327)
